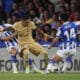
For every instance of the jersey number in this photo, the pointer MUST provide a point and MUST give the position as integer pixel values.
(72, 34)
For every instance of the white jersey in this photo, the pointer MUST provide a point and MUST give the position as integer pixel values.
(13, 41)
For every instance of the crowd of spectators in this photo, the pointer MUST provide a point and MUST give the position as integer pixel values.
(45, 13)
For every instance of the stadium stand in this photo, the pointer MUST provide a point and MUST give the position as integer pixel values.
(45, 13)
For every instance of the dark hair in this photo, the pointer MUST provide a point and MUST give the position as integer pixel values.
(25, 16)
(64, 17)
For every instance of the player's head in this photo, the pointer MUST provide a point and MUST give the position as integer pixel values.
(25, 19)
(64, 17)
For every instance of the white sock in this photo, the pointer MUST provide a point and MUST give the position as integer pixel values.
(65, 66)
(14, 67)
(56, 66)
(49, 67)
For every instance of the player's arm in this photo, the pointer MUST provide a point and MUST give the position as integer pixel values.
(33, 26)
(56, 39)
(15, 32)
(44, 34)
(7, 38)
(8, 29)
(77, 23)
(40, 31)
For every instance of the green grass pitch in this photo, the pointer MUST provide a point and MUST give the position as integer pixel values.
(37, 76)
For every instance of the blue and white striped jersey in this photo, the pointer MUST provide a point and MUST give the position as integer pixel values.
(68, 35)
(12, 42)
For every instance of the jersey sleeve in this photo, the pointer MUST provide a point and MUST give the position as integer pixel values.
(15, 27)
(8, 25)
(58, 35)
(77, 23)
(33, 26)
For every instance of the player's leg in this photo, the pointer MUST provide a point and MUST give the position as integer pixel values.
(68, 60)
(56, 58)
(12, 51)
(24, 54)
(44, 53)
(37, 49)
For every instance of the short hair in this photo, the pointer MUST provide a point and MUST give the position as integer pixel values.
(25, 16)
(64, 17)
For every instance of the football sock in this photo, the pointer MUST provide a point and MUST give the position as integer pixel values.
(14, 60)
(66, 64)
(51, 63)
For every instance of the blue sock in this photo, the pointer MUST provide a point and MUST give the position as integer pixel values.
(13, 59)
(68, 59)
(30, 61)
(52, 62)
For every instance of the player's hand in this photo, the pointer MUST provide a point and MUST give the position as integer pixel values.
(5, 38)
(48, 36)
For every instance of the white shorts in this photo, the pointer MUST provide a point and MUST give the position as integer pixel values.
(66, 52)
(16, 47)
